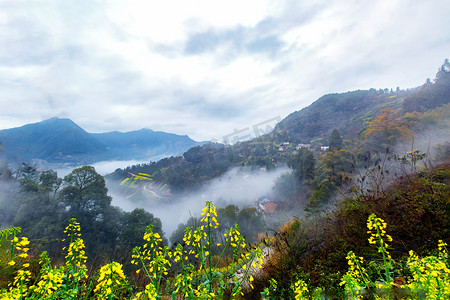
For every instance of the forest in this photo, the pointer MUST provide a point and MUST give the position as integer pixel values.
(364, 212)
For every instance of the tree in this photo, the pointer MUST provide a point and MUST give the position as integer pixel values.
(177, 236)
(49, 181)
(337, 167)
(85, 198)
(251, 222)
(286, 185)
(28, 178)
(85, 193)
(227, 216)
(303, 165)
(335, 141)
(38, 214)
(386, 129)
(135, 224)
(320, 197)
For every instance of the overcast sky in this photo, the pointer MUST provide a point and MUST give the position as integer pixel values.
(206, 68)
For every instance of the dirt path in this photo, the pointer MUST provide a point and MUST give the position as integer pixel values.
(152, 192)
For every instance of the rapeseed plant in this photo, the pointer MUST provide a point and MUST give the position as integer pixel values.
(111, 278)
(356, 278)
(431, 274)
(377, 231)
(18, 289)
(154, 260)
(76, 269)
(50, 281)
(4, 234)
(200, 278)
(300, 290)
(269, 292)
(204, 280)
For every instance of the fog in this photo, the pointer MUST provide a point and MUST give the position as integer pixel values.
(240, 186)
(7, 208)
(106, 167)
(432, 142)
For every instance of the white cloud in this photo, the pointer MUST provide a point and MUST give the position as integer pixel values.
(206, 67)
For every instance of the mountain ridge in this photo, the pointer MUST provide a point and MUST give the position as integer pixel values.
(60, 140)
(348, 111)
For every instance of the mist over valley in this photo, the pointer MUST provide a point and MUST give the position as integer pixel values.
(239, 186)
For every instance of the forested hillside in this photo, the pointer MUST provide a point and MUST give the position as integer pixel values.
(349, 112)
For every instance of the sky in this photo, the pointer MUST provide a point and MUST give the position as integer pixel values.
(206, 68)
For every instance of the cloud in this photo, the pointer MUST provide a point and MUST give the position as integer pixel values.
(235, 41)
(203, 68)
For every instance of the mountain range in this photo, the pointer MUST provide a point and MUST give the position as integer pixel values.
(419, 111)
(62, 141)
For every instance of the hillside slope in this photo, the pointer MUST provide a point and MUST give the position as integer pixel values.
(349, 111)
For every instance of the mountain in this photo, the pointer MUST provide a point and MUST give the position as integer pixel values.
(144, 143)
(53, 140)
(350, 111)
(345, 111)
(62, 141)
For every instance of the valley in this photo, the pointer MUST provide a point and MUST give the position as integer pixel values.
(296, 198)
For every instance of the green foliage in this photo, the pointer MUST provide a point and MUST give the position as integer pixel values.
(85, 197)
(85, 192)
(337, 167)
(335, 141)
(320, 197)
(416, 208)
(303, 164)
(108, 231)
(9, 231)
(135, 224)
(49, 181)
(28, 178)
(286, 185)
(251, 222)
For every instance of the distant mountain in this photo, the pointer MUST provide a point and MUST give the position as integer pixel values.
(144, 143)
(62, 141)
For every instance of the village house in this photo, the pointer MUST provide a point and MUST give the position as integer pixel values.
(266, 205)
(303, 146)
